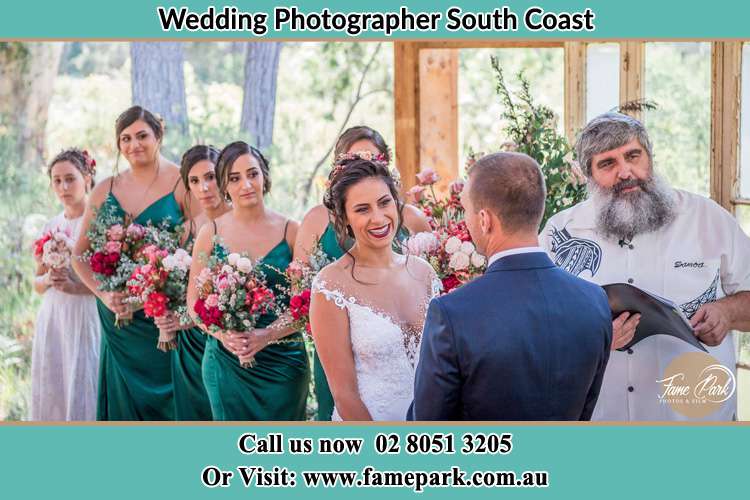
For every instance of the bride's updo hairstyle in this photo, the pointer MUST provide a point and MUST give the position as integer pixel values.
(349, 170)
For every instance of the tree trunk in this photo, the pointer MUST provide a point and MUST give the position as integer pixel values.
(158, 81)
(27, 77)
(259, 100)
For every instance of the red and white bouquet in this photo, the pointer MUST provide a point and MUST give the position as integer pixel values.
(232, 296)
(54, 249)
(448, 248)
(160, 285)
(117, 246)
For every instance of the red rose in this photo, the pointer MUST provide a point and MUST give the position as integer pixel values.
(39, 244)
(450, 282)
(156, 305)
(296, 302)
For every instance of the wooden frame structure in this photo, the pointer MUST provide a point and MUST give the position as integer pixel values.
(426, 121)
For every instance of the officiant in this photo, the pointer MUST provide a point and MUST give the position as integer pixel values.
(635, 228)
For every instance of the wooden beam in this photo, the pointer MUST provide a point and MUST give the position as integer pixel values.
(726, 68)
(632, 73)
(406, 109)
(438, 113)
(575, 88)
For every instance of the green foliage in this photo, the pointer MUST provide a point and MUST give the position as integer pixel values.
(19, 201)
(678, 77)
(532, 129)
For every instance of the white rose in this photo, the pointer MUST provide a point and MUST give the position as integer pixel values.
(227, 269)
(422, 243)
(453, 245)
(55, 260)
(459, 261)
(477, 260)
(467, 247)
(169, 262)
(181, 254)
(233, 258)
(244, 265)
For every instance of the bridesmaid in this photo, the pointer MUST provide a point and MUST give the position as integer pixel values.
(65, 353)
(276, 387)
(197, 171)
(317, 226)
(135, 379)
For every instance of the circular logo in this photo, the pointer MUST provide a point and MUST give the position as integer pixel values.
(695, 384)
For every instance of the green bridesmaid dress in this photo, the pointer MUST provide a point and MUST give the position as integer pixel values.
(190, 396)
(330, 246)
(135, 378)
(276, 387)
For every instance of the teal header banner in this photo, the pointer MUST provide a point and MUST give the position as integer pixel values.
(375, 461)
(319, 20)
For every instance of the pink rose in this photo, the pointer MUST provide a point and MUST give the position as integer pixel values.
(212, 300)
(136, 232)
(112, 246)
(115, 232)
(457, 186)
(427, 176)
(416, 193)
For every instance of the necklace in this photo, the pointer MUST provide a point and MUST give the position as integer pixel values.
(148, 188)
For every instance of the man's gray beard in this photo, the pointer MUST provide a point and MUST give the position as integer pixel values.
(625, 215)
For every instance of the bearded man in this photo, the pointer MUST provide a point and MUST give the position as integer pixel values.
(634, 228)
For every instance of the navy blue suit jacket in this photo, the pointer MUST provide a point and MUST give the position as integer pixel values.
(526, 341)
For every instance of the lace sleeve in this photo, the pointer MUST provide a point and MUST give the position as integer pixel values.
(321, 286)
(437, 287)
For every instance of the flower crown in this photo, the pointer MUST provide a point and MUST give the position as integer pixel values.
(90, 162)
(343, 160)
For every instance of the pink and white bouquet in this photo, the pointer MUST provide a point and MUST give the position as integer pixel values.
(160, 285)
(233, 295)
(448, 248)
(54, 249)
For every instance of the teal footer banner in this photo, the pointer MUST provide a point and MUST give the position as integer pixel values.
(374, 461)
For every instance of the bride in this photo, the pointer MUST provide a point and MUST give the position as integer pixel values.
(368, 307)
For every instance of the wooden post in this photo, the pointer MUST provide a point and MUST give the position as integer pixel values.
(438, 113)
(632, 73)
(575, 88)
(726, 68)
(406, 109)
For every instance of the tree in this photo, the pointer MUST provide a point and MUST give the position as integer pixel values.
(259, 98)
(27, 76)
(158, 81)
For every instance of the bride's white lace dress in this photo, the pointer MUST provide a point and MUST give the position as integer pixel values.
(385, 352)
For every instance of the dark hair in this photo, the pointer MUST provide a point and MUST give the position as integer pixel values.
(511, 186)
(193, 156)
(346, 174)
(79, 159)
(189, 159)
(361, 133)
(229, 155)
(132, 115)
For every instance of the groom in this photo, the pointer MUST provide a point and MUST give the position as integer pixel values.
(526, 341)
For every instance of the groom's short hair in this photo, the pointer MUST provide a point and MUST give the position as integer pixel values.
(511, 186)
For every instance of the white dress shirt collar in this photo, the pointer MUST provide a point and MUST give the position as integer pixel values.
(513, 251)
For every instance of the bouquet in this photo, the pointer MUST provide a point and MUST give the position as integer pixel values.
(300, 277)
(160, 284)
(117, 246)
(233, 295)
(54, 249)
(448, 248)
